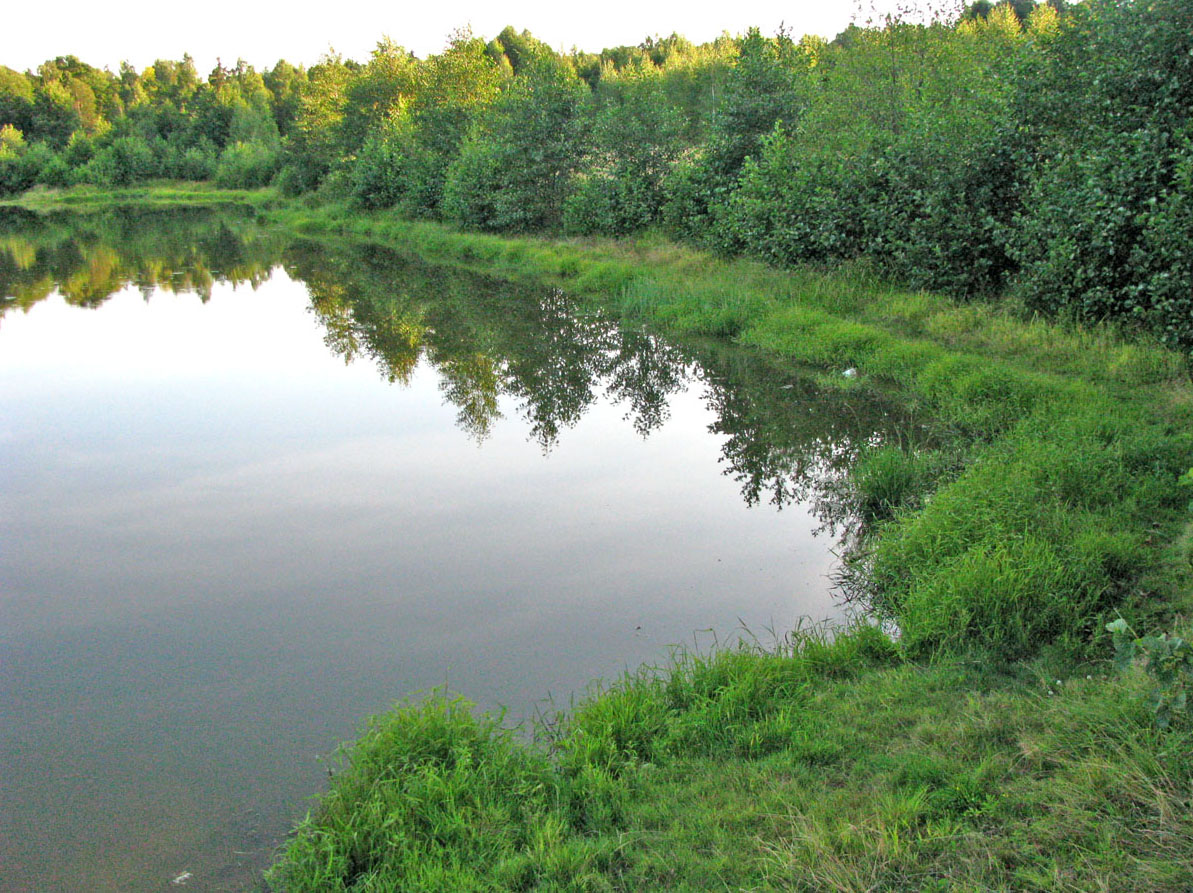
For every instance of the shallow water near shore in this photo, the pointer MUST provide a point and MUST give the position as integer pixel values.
(254, 489)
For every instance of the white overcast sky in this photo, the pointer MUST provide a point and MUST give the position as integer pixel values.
(139, 31)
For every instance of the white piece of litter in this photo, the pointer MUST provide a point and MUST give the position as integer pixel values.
(181, 879)
(850, 373)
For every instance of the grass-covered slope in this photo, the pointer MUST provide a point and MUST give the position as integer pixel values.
(991, 747)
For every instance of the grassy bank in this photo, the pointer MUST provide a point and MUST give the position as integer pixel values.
(819, 768)
(162, 194)
(994, 746)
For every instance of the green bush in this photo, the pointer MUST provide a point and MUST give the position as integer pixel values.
(688, 188)
(939, 216)
(592, 207)
(1167, 660)
(473, 186)
(192, 163)
(25, 166)
(79, 150)
(1106, 223)
(379, 174)
(246, 166)
(636, 135)
(124, 161)
(792, 208)
(289, 180)
(52, 169)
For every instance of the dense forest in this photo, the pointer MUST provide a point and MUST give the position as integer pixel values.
(1041, 149)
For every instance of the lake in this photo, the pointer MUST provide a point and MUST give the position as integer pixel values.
(254, 488)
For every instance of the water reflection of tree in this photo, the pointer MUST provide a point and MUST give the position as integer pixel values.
(788, 435)
(792, 438)
(487, 339)
(788, 438)
(89, 257)
(643, 373)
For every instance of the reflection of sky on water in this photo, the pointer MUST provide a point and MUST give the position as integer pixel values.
(222, 547)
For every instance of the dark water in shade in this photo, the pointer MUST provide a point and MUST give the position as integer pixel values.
(252, 490)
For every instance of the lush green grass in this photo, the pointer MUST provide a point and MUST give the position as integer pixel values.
(953, 759)
(822, 766)
(162, 193)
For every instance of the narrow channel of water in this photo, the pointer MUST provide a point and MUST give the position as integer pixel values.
(253, 490)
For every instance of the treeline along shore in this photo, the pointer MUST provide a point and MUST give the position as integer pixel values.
(1036, 149)
(991, 215)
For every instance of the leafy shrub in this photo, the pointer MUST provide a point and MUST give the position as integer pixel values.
(592, 207)
(124, 161)
(688, 188)
(192, 163)
(52, 169)
(472, 188)
(1168, 660)
(23, 167)
(395, 169)
(792, 208)
(290, 180)
(1107, 222)
(79, 150)
(246, 166)
(938, 214)
(514, 172)
(378, 176)
(12, 175)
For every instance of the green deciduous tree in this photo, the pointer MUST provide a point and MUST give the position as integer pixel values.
(636, 135)
(516, 168)
(1106, 224)
(767, 84)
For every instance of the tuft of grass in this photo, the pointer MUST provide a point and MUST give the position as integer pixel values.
(889, 479)
(1038, 541)
(432, 795)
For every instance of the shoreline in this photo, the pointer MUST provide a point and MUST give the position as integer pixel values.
(961, 755)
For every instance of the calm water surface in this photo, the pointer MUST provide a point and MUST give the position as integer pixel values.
(252, 490)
